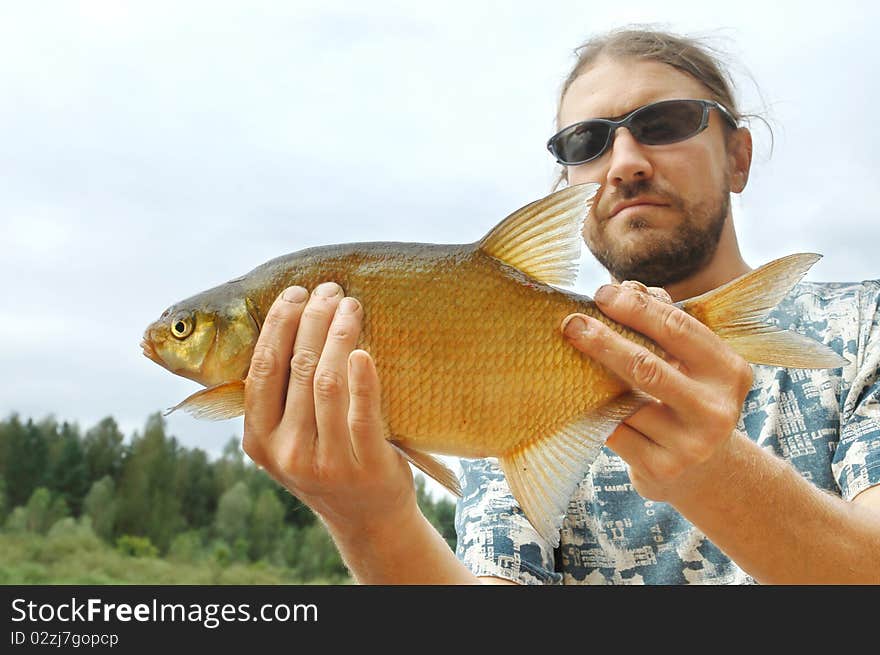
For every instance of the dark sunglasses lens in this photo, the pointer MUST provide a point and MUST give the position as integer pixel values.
(581, 142)
(667, 122)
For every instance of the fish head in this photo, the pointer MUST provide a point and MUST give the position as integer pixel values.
(208, 338)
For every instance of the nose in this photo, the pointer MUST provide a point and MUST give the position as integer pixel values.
(628, 162)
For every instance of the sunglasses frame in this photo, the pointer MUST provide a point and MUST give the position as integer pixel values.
(627, 120)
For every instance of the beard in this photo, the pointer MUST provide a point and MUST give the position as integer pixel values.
(661, 262)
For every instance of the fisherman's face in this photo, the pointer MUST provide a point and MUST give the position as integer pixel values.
(683, 189)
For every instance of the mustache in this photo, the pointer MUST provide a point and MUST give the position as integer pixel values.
(629, 190)
(636, 188)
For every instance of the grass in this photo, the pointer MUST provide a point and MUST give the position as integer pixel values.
(78, 557)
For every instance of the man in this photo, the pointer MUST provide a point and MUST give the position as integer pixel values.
(732, 475)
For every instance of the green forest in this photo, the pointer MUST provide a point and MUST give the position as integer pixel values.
(94, 508)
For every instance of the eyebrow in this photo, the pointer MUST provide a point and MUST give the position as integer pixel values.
(627, 113)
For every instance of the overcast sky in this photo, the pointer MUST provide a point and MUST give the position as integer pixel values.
(150, 150)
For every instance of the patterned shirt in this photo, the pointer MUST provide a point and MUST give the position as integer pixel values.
(825, 423)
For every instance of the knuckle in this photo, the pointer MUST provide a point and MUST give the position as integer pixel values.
(295, 466)
(316, 312)
(721, 416)
(676, 324)
(660, 294)
(263, 362)
(342, 331)
(328, 384)
(644, 368)
(303, 365)
(667, 469)
(360, 390)
(290, 469)
(637, 299)
(362, 423)
(634, 284)
(700, 450)
(329, 471)
(275, 317)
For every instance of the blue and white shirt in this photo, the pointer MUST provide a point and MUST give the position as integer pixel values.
(825, 423)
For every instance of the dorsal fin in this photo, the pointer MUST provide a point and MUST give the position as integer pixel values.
(543, 239)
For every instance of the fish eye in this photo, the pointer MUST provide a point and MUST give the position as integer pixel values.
(182, 327)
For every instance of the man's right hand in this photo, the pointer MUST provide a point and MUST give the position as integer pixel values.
(313, 414)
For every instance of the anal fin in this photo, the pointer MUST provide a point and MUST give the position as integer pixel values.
(430, 466)
(222, 401)
(543, 474)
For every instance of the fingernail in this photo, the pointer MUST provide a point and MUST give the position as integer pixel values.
(606, 293)
(348, 306)
(575, 327)
(295, 294)
(327, 289)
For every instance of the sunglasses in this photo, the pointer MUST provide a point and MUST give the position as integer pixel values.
(657, 124)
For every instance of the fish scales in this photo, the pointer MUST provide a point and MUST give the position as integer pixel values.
(468, 349)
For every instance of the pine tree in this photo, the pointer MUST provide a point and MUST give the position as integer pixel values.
(25, 459)
(104, 450)
(68, 470)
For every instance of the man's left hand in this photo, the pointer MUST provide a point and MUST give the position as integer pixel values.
(699, 388)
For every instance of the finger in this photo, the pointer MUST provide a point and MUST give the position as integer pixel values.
(636, 364)
(657, 292)
(331, 382)
(266, 384)
(644, 456)
(660, 294)
(635, 285)
(678, 333)
(365, 412)
(299, 411)
(659, 423)
(634, 448)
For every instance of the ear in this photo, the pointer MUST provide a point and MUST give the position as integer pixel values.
(739, 158)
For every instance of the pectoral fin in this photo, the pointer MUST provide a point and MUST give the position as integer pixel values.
(222, 401)
(544, 474)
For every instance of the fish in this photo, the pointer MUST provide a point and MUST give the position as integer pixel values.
(468, 345)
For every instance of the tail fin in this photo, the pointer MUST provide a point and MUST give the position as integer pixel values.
(735, 312)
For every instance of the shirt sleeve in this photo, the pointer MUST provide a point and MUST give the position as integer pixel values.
(494, 536)
(856, 463)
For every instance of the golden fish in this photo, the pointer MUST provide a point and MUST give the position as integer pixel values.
(468, 347)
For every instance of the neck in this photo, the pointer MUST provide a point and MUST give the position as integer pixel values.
(725, 265)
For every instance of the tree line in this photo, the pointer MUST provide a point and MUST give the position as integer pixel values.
(152, 497)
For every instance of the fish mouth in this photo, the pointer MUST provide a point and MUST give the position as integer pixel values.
(150, 352)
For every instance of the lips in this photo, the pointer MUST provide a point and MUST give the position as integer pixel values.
(150, 352)
(635, 202)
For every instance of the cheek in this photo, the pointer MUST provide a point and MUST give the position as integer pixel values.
(236, 349)
(691, 177)
(583, 174)
(701, 168)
